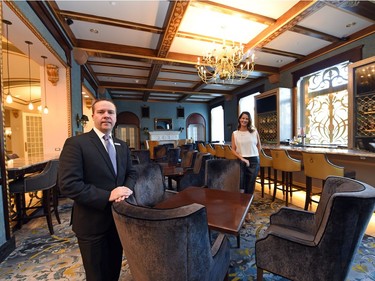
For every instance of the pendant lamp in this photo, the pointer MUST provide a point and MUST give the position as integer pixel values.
(45, 109)
(9, 98)
(31, 106)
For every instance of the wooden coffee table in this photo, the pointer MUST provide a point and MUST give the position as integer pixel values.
(226, 211)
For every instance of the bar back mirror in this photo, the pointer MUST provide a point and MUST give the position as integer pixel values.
(164, 124)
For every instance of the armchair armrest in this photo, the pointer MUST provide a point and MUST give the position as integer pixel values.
(293, 218)
(217, 244)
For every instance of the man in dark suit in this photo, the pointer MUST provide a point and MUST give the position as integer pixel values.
(88, 176)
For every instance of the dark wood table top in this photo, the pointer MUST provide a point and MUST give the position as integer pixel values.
(226, 211)
(171, 170)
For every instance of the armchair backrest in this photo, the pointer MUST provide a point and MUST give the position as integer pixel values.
(224, 174)
(175, 242)
(188, 158)
(343, 213)
(150, 187)
(44, 180)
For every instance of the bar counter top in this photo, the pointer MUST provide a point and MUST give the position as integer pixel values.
(321, 149)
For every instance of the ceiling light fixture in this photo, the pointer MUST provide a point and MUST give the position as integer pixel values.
(9, 98)
(225, 63)
(45, 109)
(31, 106)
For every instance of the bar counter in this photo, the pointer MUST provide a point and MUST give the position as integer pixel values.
(361, 161)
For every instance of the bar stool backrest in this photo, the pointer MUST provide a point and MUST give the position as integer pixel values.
(44, 180)
(210, 149)
(219, 149)
(317, 165)
(282, 161)
(265, 160)
(228, 153)
(202, 148)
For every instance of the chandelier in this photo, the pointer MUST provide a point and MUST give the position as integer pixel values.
(225, 64)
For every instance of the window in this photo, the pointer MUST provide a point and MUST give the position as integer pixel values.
(323, 106)
(247, 104)
(217, 124)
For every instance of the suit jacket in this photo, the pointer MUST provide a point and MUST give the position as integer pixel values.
(86, 175)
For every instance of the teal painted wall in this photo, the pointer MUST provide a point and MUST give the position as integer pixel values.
(164, 110)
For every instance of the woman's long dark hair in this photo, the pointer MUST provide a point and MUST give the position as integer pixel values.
(250, 127)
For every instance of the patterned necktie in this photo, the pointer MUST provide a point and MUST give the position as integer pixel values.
(111, 151)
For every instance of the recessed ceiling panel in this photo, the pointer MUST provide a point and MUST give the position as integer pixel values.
(297, 43)
(145, 12)
(335, 22)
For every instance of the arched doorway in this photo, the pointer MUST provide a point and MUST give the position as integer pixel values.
(127, 129)
(196, 127)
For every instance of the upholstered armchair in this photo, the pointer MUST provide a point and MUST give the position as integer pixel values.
(170, 244)
(307, 246)
(225, 174)
(195, 177)
(150, 188)
(188, 158)
(142, 154)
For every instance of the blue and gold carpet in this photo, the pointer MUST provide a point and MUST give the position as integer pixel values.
(40, 256)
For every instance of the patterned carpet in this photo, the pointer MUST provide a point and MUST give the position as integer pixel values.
(40, 256)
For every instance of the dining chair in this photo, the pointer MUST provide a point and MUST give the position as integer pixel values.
(44, 182)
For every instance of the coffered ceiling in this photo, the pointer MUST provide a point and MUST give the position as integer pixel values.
(148, 50)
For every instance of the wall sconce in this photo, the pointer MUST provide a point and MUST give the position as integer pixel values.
(181, 129)
(82, 121)
(145, 130)
(8, 132)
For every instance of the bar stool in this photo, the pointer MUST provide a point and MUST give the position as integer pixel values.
(318, 166)
(219, 149)
(210, 149)
(228, 153)
(281, 161)
(265, 162)
(44, 182)
(202, 148)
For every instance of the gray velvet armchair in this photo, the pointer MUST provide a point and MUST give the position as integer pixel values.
(170, 244)
(195, 177)
(225, 174)
(307, 246)
(150, 188)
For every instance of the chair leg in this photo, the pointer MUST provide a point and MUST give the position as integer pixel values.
(259, 274)
(286, 178)
(269, 178)
(262, 179)
(47, 209)
(55, 203)
(275, 185)
(308, 192)
(238, 241)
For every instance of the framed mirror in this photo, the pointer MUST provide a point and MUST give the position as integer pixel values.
(163, 124)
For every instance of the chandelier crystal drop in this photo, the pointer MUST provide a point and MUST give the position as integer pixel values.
(225, 64)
